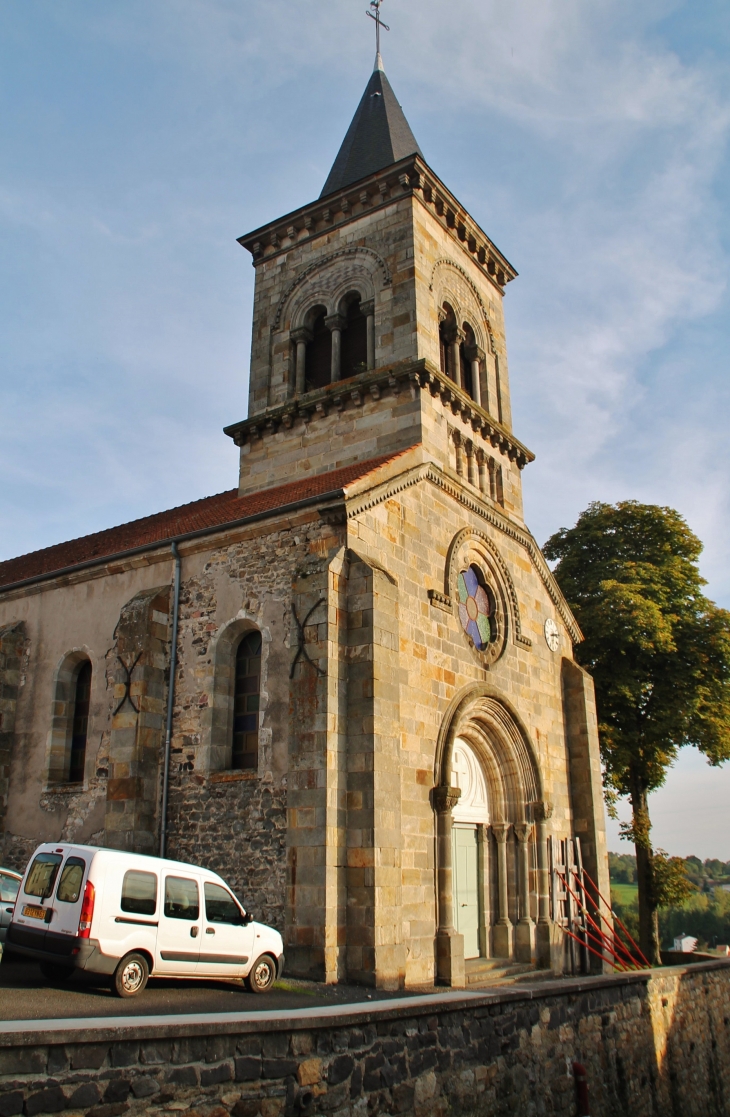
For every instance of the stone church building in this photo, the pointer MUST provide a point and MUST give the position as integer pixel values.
(348, 684)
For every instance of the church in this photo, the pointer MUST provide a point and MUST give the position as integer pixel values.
(347, 684)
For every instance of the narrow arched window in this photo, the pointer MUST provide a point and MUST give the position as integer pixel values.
(354, 357)
(447, 327)
(245, 750)
(466, 350)
(80, 724)
(318, 361)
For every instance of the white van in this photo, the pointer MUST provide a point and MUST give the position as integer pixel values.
(129, 916)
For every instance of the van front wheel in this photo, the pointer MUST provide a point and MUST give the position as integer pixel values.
(261, 975)
(130, 976)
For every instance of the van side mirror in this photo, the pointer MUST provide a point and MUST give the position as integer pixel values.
(247, 918)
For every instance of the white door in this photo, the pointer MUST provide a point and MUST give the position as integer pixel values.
(226, 942)
(466, 887)
(178, 933)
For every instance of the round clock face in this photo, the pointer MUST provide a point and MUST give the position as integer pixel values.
(552, 635)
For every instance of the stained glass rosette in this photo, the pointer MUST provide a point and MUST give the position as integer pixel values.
(475, 608)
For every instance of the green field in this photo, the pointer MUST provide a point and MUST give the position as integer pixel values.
(625, 893)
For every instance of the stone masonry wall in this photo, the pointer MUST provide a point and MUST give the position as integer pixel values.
(12, 642)
(654, 1044)
(235, 822)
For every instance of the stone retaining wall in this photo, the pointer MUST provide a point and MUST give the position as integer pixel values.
(653, 1043)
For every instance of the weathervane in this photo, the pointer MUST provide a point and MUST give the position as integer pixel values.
(378, 22)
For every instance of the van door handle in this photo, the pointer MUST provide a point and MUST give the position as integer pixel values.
(210, 930)
(193, 932)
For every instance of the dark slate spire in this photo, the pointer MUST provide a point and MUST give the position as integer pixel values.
(378, 136)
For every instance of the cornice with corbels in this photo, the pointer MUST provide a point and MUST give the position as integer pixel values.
(410, 376)
(411, 176)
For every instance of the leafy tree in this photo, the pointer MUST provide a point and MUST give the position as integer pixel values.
(659, 653)
(622, 868)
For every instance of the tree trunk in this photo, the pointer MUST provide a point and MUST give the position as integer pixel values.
(648, 919)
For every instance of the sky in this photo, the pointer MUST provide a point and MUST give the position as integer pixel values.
(139, 139)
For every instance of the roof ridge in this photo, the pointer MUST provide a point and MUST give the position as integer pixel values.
(118, 527)
(206, 514)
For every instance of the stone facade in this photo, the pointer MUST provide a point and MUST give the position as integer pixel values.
(652, 1044)
(344, 836)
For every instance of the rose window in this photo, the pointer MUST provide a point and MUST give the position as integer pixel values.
(476, 608)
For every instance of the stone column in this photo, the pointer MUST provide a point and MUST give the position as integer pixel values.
(549, 950)
(300, 338)
(503, 935)
(336, 323)
(475, 356)
(471, 464)
(459, 444)
(483, 478)
(449, 943)
(368, 309)
(492, 478)
(525, 931)
(483, 881)
(457, 338)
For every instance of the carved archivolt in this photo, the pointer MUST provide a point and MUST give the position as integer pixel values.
(451, 284)
(473, 548)
(328, 280)
(483, 718)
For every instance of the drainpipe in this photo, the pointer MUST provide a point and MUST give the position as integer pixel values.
(170, 697)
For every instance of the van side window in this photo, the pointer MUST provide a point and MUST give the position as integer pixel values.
(181, 898)
(139, 892)
(69, 886)
(220, 907)
(42, 875)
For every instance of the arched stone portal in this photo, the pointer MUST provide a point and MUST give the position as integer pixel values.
(492, 878)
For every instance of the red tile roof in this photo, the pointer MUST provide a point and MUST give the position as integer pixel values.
(199, 516)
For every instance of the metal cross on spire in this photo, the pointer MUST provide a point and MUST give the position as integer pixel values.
(375, 4)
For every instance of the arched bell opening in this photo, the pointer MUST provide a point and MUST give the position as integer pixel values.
(492, 879)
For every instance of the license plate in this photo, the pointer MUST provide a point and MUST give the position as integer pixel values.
(34, 913)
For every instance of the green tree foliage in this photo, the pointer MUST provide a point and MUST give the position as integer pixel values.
(622, 868)
(659, 653)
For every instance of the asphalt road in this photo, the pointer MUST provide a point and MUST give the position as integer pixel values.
(26, 995)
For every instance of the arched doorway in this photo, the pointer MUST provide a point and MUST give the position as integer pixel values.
(470, 819)
(491, 820)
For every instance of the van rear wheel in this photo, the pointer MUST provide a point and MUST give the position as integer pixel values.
(130, 976)
(262, 974)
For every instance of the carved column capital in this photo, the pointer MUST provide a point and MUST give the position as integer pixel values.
(501, 831)
(542, 810)
(368, 307)
(335, 322)
(523, 830)
(457, 437)
(445, 798)
(458, 336)
(301, 333)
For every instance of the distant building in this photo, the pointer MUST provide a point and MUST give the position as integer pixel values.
(685, 944)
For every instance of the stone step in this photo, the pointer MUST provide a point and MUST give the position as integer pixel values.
(489, 971)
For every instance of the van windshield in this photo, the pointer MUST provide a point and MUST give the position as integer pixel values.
(42, 875)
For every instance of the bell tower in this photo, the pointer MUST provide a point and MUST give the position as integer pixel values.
(378, 323)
